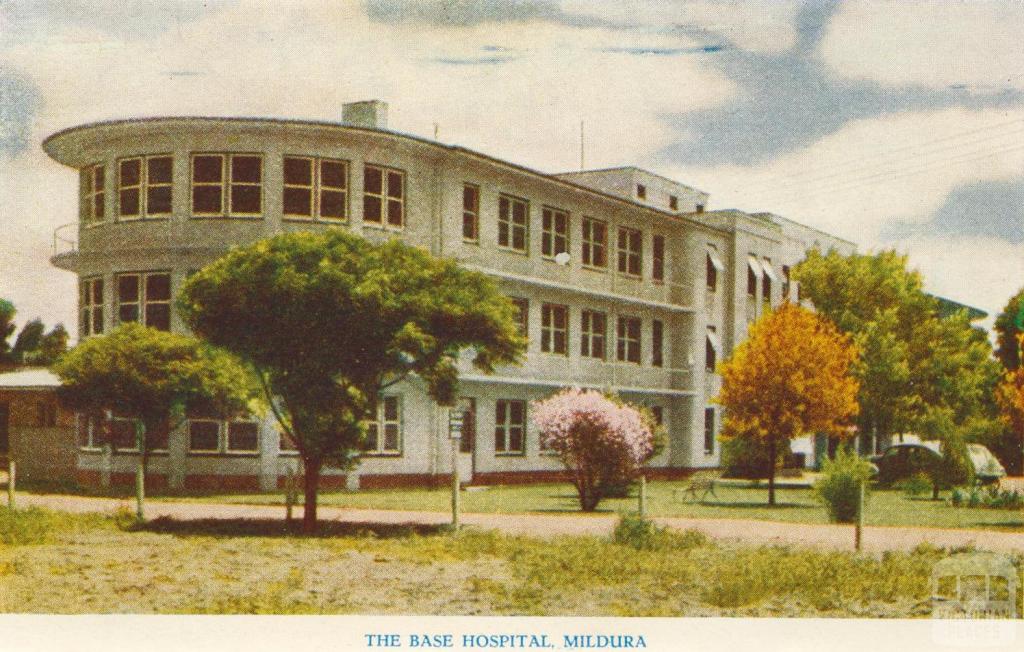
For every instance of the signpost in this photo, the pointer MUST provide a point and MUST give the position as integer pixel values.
(455, 422)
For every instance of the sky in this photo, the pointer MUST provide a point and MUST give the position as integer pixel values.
(895, 128)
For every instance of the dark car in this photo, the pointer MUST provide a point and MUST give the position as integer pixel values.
(905, 460)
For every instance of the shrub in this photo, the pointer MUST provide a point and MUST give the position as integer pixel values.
(916, 485)
(839, 485)
(987, 498)
(601, 441)
(643, 534)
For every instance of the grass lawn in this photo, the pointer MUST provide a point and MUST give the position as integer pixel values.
(885, 507)
(64, 563)
(796, 505)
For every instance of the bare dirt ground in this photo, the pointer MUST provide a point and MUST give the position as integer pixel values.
(836, 537)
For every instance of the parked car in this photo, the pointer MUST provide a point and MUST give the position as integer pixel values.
(905, 460)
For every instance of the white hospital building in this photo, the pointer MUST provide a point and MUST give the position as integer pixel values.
(655, 290)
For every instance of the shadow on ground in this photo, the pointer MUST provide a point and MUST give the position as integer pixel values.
(277, 528)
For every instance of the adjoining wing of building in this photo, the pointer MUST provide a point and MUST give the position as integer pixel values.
(655, 291)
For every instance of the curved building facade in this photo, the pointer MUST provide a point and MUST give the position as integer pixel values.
(655, 290)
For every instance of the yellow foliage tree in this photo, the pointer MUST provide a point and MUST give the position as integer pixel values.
(1010, 397)
(791, 377)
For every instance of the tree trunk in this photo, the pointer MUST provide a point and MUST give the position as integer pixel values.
(771, 470)
(140, 471)
(312, 485)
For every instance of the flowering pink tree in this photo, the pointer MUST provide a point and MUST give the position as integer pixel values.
(601, 441)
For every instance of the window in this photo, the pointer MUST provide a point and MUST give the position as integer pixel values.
(144, 186)
(641, 191)
(658, 254)
(315, 188)
(628, 344)
(711, 350)
(595, 243)
(714, 266)
(204, 436)
(470, 213)
(285, 444)
(384, 433)
(210, 435)
(593, 330)
(122, 437)
(243, 437)
(555, 235)
(629, 251)
(384, 196)
(700, 208)
(709, 431)
(509, 427)
(90, 306)
(46, 415)
(513, 227)
(673, 202)
(554, 329)
(523, 306)
(144, 298)
(657, 343)
(93, 195)
(231, 181)
(769, 279)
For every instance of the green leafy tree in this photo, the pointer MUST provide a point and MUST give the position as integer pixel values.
(7, 327)
(918, 372)
(1008, 329)
(53, 345)
(151, 377)
(329, 320)
(28, 341)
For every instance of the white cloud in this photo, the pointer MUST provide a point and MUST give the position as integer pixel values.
(935, 44)
(757, 25)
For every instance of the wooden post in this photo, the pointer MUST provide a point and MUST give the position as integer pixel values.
(858, 531)
(289, 494)
(642, 507)
(455, 483)
(140, 471)
(11, 478)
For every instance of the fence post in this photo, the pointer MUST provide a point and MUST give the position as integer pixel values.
(858, 532)
(11, 478)
(455, 484)
(289, 493)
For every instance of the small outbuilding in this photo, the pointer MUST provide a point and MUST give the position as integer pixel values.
(34, 430)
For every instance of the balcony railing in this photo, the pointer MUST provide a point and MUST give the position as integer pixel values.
(65, 239)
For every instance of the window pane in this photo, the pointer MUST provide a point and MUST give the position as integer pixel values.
(97, 178)
(246, 169)
(243, 436)
(298, 201)
(130, 202)
(395, 183)
(394, 212)
(332, 174)
(499, 415)
(85, 322)
(372, 209)
(371, 437)
(245, 199)
(519, 212)
(503, 234)
(158, 200)
(97, 206)
(332, 204)
(469, 198)
(128, 288)
(499, 439)
(469, 226)
(390, 437)
(158, 287)
(207, 169)
(159, 169)
(518, 238)
(122, 434)
(517, 411)
(156, 440)
(97, 319)
(298, 171)
(158, 316)
(373, 181)
(207, 199)
(515, 439)
(391, 408)
(204, 435)
(130, 173)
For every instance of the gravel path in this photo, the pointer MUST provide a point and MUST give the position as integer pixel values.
(876, 538)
